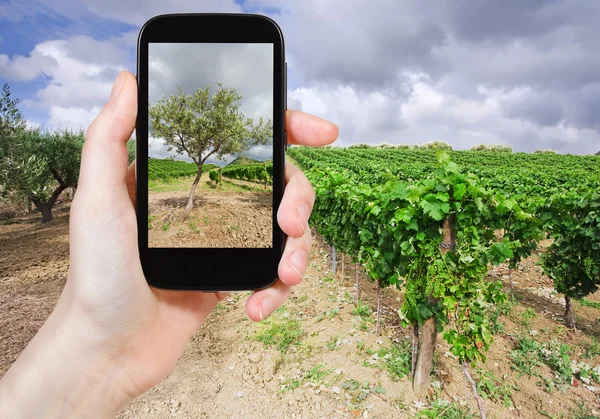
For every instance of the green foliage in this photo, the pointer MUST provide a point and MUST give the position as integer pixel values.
(165, 169)
(572, 261)
(396, 359)
(131, 150)
(201, 125)
(216, 175)
(41, 164)
(490, 387)
(280, 333)
(259, 172)
(528, 355)
(385, 207)
(442, 409)
(584, 302)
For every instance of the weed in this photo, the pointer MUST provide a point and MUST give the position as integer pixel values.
(527, 315)
(330, 314)
(328, 279)
(332, 343)
(584, 302)
(317, 373)
(582, 412)
(280, 333)
(443, 409)
(362, 310)
(592, 350)
(396, 359)
(150, 218)
(192, 226)
(490, 387)
(290, 384)
(205, 219)
(166, 225)
(524, 356)
(234, 228)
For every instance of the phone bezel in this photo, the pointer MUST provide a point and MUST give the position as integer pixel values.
(210, 269)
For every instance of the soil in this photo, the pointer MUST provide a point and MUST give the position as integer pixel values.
(218, 219)
(225, 372)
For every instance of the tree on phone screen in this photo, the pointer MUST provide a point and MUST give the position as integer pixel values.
(202, 125)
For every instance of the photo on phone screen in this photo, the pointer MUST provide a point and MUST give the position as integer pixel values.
(210, 145)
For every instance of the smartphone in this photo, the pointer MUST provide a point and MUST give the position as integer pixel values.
(211, 144)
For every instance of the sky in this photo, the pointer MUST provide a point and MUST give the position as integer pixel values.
(248, 68)
(524, 74)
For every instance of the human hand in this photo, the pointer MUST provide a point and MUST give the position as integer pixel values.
(114, 336)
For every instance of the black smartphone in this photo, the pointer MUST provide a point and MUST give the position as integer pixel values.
(211, 143)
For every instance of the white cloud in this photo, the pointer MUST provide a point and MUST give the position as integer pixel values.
(74, 118)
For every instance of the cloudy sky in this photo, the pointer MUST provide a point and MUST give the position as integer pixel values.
(248, 68)
(522, 73)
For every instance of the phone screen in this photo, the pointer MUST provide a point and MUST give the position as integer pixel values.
(210, 145)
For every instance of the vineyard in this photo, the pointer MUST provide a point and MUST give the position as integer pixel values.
(165, 169)
(257, 172)
(433, 223)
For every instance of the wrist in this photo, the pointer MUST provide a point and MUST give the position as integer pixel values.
(63, 373)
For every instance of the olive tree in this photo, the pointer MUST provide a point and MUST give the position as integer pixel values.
(202, 125)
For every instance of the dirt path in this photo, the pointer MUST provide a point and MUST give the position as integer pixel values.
(335, 366)
(219, 219)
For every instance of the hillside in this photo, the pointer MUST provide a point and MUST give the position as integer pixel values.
(243, 160)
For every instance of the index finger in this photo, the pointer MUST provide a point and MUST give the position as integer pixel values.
(305, 129)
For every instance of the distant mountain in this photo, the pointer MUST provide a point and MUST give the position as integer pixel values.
(243, 160)
(598, 153)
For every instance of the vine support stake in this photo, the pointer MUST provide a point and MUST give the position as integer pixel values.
(333, 260)
(378, 324)
(357, 294)
(415, 349)
(569, 316)
(478, 399)
(428, 332)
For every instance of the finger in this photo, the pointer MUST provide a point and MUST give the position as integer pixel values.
(264, 302)
(295, 258)
(130, 181)
(305, 129)
(104, 155)
(297, 202)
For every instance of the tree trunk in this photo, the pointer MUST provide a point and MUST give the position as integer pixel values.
(478, 399)
(45, 208)
(428, 332)
(342, 266)
(415, 349)
(569, 316)
(427, 341)
(46, 211)
(357, 295)
(378, 324)
(510, 279)
(333, 260)
(190, 204)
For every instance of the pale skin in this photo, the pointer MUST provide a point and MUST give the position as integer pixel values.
(111, 337)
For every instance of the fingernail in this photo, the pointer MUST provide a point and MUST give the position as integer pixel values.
(266, 306)
(118, 85)
(260, 313)
(298, 262)
(303, 214)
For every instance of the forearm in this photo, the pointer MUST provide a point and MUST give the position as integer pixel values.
(61, 374)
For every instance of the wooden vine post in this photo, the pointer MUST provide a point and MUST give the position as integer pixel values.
(357, 295)
(427, 333)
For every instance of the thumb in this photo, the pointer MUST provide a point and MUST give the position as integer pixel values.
(104, 155)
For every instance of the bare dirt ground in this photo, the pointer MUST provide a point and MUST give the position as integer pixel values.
(220, 218)
(329, 369)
